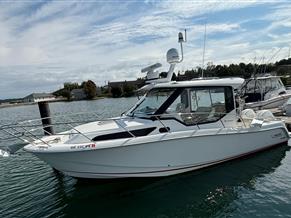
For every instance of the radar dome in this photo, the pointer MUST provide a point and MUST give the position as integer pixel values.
(173, 56)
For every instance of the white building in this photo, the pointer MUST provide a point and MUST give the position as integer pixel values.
(37, 97)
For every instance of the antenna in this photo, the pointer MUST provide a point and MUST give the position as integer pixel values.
(255, 68)
(274, 55)
(260, 63)
(173, 58)
(263, 64)
(181, 40)
(271, 58)
(203, 50)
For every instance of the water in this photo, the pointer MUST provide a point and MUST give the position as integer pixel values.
(256, 186)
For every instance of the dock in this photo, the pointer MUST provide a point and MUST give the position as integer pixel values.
(278, 113)
(287, 121)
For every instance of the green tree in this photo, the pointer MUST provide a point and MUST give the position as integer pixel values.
(104, 90)
(90, 89)
(174, 77)
(116, 92)
(70, 86)
(128, 90)
(66, 91)
(66, 94)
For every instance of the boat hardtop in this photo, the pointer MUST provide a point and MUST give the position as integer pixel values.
(234, 82)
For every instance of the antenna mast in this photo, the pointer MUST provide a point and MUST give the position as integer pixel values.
(271, 58)
(203, 51)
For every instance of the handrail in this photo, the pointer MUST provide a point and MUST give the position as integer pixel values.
(81, 133)
(22, 123)
(168, 130)
(29, 130)
(123, 127)
(191, 114)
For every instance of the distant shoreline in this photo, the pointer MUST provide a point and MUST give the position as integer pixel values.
(7, 105)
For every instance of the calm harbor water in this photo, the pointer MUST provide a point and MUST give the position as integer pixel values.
(257, 186)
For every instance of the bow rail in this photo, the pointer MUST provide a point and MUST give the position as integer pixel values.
(32, 131)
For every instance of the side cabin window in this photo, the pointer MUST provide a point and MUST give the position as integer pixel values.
(202, 105)
(268, 85)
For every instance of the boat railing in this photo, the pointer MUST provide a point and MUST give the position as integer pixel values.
(199, 117)
(202, 120)
(29, 131)
(32, 131)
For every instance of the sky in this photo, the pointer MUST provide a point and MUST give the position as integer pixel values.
(46, 43)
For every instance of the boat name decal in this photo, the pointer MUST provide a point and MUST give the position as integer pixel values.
(83, 146)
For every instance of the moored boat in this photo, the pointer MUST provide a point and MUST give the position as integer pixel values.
(174, 128)
(264, 92)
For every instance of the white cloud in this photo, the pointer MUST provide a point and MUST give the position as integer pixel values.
(45, 44)
(186, 8)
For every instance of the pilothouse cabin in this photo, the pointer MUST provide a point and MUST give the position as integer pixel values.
(189, 103)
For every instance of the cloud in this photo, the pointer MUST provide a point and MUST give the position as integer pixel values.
(46, 43)
(188, 9)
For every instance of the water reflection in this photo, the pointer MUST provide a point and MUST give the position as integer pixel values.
(30, 188)
(198, 194)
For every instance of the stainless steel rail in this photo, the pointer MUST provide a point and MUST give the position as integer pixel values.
(30, 131)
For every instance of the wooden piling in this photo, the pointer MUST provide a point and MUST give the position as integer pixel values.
(45, 115)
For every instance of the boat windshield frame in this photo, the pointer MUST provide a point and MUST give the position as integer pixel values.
(175, 92)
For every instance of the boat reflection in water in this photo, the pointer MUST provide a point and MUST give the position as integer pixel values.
(196, 194)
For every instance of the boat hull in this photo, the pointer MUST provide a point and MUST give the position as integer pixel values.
(270, 103)
(164, 157)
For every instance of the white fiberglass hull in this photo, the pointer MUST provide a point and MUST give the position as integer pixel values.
(270, 103)
(161, 155)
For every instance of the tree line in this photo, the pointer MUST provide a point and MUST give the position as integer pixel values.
(281, 68)
(89, 88)
(125, 90)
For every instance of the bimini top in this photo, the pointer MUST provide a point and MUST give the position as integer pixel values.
(234, 82)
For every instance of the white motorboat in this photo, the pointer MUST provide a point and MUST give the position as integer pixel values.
(177, 127)
(174, 128)
(264, 92)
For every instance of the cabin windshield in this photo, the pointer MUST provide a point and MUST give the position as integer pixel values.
(152, 102)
